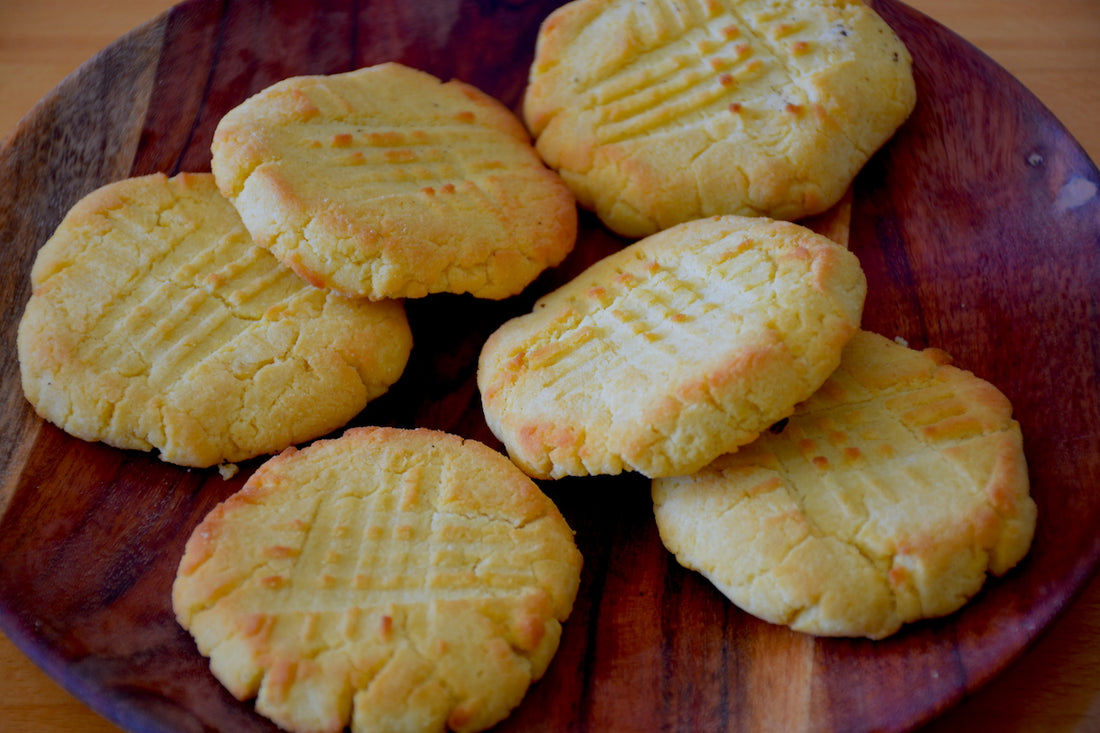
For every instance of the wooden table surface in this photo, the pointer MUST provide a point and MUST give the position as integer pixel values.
(1052, 47)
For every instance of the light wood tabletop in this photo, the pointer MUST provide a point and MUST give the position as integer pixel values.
(1052, 47)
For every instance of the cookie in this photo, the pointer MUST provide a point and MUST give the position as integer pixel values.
(659, 112)
(156, 323)
(672, 351)
(390, 579)
(386, 182)
(886, 498)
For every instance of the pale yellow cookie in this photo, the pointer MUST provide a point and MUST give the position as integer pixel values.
(386, 182)
(155, 322)
(663, 111)
(393, 580)
(672, 351)
(886, 498)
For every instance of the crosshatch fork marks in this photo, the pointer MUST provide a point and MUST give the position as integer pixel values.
(458, 155)
(692, 62)
(375, 158)
(668, 306)
(397, 549)
(218, 292)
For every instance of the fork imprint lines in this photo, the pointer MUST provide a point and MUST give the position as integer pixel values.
(629, 308)
(667, 82)
(696, 53)
(889, 442)
(208, 310)
(439, 160)
(399, 556)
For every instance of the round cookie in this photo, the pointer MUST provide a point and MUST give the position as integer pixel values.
(390, 579)
(672, 351)
(886, 498)
(156, 322)
(656, 113)
(385, 182)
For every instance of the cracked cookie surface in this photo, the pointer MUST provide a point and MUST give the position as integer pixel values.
(886, 498)
(672, 351)
(156, 323)
(659, 112)
(386, 182)
(388, 579)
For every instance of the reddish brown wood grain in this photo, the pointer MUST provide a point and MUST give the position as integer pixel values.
(971, 225)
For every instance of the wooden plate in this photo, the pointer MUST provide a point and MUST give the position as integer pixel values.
(978, 227)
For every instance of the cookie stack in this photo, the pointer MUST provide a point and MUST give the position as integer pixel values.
(390, 579)
(820, 476)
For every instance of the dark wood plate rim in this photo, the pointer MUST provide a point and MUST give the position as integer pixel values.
(993, 122)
